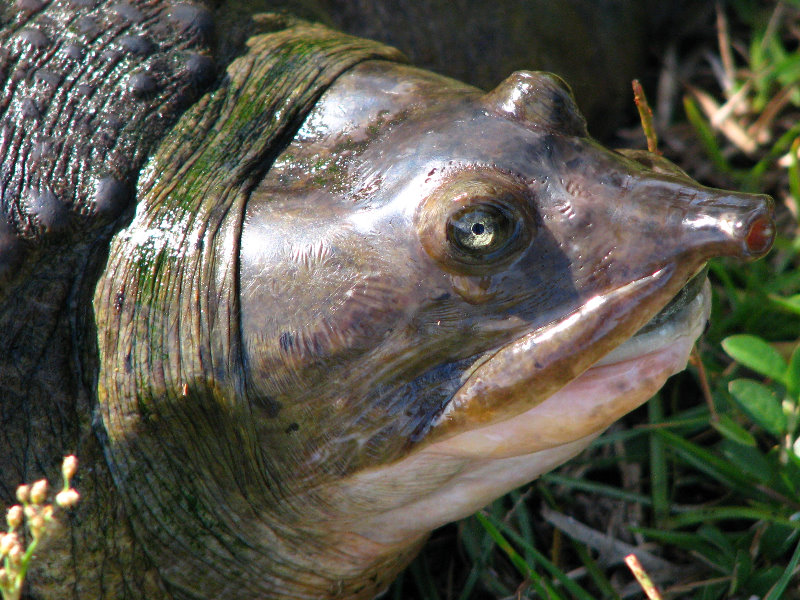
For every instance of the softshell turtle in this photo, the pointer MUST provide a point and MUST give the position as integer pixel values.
(293, 316)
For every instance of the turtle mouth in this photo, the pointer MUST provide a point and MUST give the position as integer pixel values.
(668, 323)
(687, 294)
(479, 462)
(617, 383)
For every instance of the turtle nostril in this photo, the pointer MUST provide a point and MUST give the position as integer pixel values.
(760, 236)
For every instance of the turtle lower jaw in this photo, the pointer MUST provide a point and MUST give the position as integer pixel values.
(619, 382)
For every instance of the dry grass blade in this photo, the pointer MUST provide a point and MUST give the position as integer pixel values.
(641, 576)
(725, 52)
(612, 551)
(646, 115)
(734, 132)
(759, 129)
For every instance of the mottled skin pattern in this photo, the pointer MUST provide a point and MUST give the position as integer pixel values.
(243, 377)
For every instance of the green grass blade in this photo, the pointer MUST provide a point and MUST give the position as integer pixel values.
(721, 513)
(708, 463)
(751, 461)
(776, 593)
(595, 488)
(479, 548)
(523, 518)
(424, 580)
(778, 148)
(793, 374)
(595, 572)
(731, 430)
(706, 135)
(689, 541)
(794, 173)
(659, 484)
(573, 588)
(518, 562)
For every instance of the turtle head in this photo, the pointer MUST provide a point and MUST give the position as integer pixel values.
(324, 347)
(468, 287)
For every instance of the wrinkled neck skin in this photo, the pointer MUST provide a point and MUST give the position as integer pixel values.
(393, 379)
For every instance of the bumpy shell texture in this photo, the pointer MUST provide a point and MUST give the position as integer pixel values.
(86, 91)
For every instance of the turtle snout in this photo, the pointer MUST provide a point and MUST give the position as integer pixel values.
(760, 229)
(740, 225)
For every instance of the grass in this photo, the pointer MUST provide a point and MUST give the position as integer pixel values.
(703, 483)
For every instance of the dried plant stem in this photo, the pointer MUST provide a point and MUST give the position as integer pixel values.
(646, 115)
(695, 359)
(642, 577)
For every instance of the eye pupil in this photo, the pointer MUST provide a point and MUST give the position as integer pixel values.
(480, 231)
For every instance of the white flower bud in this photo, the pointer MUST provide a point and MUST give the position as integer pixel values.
(67, 498)
(69, 467)
(14, 516)
(37, 525)
(24, 493)
(7, 543)
(39, 491)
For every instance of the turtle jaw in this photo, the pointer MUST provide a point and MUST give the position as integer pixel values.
(527, 370)
(616, 384)
(451, 478)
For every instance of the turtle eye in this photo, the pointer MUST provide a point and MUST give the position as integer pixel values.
(475, 222)
(481, 231)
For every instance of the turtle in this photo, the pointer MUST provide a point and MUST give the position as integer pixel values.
(298, 303)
